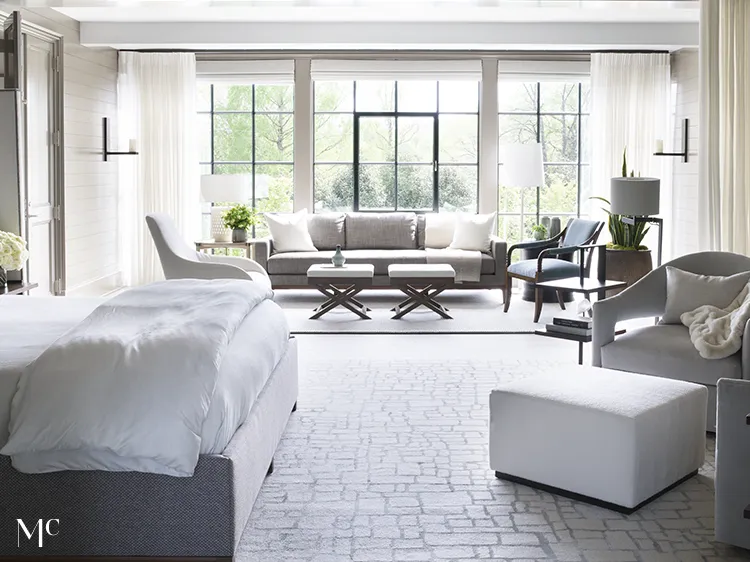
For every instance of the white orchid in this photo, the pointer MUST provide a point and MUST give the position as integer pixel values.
(13, 252)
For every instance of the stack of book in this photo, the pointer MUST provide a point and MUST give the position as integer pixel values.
(573, 326)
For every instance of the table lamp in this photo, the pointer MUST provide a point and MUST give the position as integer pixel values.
(637, 200)
(222, 188)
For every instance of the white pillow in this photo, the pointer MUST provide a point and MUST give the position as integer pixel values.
(289, 232)
(687, 291)
(439, 229)
(473, 232)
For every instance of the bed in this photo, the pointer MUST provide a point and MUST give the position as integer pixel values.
(140, 514)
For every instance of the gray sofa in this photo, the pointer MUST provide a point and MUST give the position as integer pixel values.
(379, 239)
(665, 350)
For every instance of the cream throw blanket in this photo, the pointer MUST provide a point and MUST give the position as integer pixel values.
(466, 263)
(715, 332)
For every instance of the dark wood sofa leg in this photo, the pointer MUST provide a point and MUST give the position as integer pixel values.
(294, 408)
(270, 468)
(538, 302)
(506, 293)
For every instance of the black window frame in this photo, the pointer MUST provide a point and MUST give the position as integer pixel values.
(395, 114)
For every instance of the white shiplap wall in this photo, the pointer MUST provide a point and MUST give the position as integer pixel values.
(91, 185)
(686, 84)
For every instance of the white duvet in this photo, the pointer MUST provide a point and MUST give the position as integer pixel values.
(130, 387)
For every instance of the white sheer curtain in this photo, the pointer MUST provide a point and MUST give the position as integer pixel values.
(156, 106)
(630, 108)
(724, 168)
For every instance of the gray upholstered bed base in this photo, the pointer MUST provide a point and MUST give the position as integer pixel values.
(130, 514)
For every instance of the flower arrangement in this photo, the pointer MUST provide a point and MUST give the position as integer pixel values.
(13, 252)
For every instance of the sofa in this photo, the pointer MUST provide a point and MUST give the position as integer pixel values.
(380, 239)
(665, 350)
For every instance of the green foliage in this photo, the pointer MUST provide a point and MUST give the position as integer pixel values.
(624, 236)
(624, 162)
(539, 232)
(240, 217)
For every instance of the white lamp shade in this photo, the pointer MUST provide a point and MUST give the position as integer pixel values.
(636, 197)
(522, 165)
(226, 188)
(261, 186)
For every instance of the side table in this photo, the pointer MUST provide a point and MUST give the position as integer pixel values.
(19, 288)
(572, 337)
(210, 245)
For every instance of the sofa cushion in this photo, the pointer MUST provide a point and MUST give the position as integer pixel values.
(421, 232)
(298, 262)
(327, 230)
(552, 268)
(666, 351)
(381, 231)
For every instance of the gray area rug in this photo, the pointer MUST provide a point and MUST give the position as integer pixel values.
(388, 460)
(473, 312)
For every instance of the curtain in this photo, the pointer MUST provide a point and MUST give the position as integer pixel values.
(724, 147)
(156, 107)
(631, 109)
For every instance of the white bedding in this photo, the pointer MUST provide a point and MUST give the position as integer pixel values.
(31, 324)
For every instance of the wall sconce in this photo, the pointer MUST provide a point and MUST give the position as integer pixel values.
(132, 148)
(684, 153)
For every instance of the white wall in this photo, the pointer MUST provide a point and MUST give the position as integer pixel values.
(91, 197)
(686, 84)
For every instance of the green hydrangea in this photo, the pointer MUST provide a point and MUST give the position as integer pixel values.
(13, 252)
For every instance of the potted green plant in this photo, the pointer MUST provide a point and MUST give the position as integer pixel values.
(539, 232)
(13, 256)
(627, 259)
(239, 219)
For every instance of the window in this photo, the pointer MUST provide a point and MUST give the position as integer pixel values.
(249, 129)
(556, 115)
(408, 145)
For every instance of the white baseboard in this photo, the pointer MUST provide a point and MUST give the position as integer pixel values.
(101, 287)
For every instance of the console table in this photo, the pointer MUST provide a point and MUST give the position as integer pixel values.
(19, 288)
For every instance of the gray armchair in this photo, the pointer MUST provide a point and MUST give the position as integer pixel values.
(665, 350)
(732, 485)
(180, 261)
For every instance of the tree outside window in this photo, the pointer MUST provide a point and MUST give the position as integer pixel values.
(556, 115)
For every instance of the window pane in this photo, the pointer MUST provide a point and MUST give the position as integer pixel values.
(459, 97)
(509, 200)
(274, 98)
(334, 187)
(415, 187)
(509, 229)
(375, 95)
(204, 137)
(560, 138)
(560, 192)
(514, 97)
(517, 129)
(417, 95)
(279, 195)
(203, 97)
(585, 97)
(586, 192)
(334, 96)
(233, 98)
(334, 138)
(233, 169)
(416, 139)
(274, 137)
(233, 137)
(458, 138)
(377, 136)
(457, 188)
(585, 143)
(559, 97)
(377, 187)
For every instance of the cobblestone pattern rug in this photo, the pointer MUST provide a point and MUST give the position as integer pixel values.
(389, 461)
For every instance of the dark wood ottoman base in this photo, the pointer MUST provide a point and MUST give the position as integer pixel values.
(421, 291)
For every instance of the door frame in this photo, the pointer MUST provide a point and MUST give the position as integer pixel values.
(57, 165)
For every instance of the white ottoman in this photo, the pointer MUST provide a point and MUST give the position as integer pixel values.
(610, 438)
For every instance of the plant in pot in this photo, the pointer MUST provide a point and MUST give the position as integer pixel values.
(627, 259)
(539, 232)
(13, 255)
(239, 219)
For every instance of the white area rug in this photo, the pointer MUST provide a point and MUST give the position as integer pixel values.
(473, 312)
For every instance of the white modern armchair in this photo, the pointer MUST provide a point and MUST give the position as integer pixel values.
(180, 261)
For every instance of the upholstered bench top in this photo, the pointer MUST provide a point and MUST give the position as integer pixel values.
(328, 271)
(426, 270)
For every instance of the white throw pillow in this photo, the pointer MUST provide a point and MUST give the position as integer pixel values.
(289, 232)
(439, 229)
(687, 291)
(473, 232)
